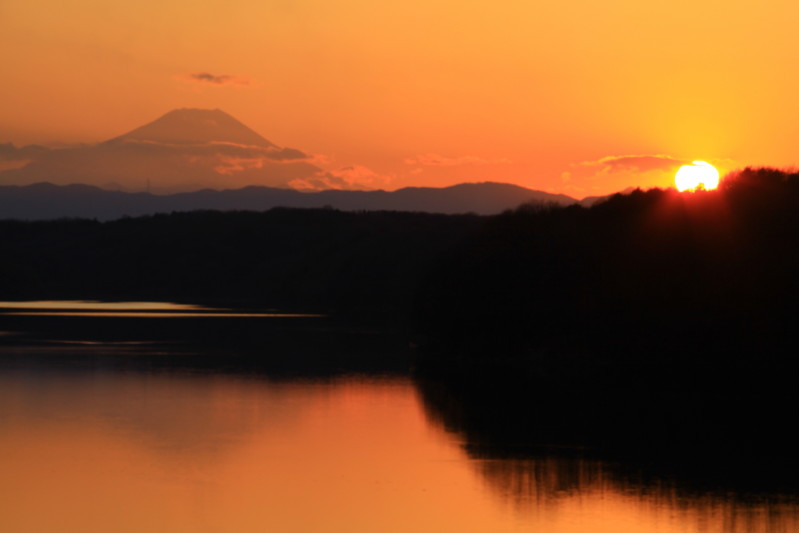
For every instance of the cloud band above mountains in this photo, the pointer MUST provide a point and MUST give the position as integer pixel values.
(634, 163)
(353, 177)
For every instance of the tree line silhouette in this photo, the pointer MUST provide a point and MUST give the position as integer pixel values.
(363, 264)
(656, 270)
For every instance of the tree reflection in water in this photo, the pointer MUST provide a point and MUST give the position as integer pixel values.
(542, 465)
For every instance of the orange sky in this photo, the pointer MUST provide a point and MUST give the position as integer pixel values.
(423, 93)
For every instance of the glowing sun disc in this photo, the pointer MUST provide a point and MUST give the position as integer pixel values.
(697, 174)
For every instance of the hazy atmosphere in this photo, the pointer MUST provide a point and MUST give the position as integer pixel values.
(580, 98)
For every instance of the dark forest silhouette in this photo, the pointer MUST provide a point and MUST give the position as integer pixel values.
(658, 269)
(317, 260)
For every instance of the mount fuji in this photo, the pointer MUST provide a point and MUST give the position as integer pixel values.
(184, 150)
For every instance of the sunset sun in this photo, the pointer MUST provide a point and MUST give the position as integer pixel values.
(698, 174)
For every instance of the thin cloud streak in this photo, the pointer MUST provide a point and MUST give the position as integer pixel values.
(634, 163)
(353, 177)
(218, 80)
(619, 172)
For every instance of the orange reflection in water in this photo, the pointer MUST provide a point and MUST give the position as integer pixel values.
(131, 452)
(43, 305)
(90, 308)
(149, 314)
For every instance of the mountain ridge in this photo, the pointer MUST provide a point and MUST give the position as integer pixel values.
(44, 201)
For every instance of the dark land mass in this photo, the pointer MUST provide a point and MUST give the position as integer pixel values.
(327, 261)
(657, 270)
(45, 201)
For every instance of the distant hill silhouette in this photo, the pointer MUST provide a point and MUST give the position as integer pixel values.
(47, 201)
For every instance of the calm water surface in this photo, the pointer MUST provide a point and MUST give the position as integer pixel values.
(96, 447)
(93, 450)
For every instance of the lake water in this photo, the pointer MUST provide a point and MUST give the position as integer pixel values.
(100, 435)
